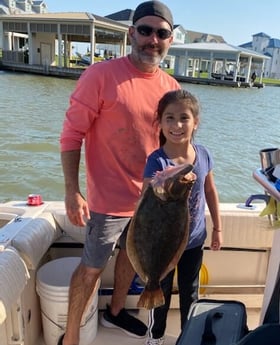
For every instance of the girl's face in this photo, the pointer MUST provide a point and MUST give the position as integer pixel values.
(178, 123)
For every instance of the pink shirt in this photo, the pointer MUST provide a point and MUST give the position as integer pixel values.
(113, 110)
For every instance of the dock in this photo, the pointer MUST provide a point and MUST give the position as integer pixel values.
(45, 70)
(217, 82)
(75, 73)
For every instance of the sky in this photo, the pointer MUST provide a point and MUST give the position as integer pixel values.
(236, 21)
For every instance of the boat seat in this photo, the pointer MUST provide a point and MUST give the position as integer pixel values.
(14, 276)
(247, 230)
(35, 238)
(77, 233)
(242, 228)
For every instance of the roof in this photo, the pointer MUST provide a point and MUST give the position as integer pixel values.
(54, 15)
(273, 43)
(194, 37)
(77, 25)
(124, 15)
(246, 45)
(261, 34)
(49, 16)
(64, 16)
(220, 50)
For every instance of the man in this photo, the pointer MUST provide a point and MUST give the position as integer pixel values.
(112, 110)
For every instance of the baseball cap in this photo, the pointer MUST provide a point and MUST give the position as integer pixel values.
(153, 8)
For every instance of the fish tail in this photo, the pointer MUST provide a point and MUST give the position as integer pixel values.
(150, 299)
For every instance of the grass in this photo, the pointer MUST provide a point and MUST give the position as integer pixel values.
(270, 81)
(266, 81)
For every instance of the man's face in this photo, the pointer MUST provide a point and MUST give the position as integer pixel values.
(150, 39)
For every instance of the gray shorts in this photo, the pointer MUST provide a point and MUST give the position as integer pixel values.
(103, 233)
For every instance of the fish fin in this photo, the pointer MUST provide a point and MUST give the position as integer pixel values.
(151, 299)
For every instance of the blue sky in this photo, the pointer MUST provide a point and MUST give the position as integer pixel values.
(235, 20)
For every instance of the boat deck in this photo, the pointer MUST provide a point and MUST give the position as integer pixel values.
(33, 236)
(114, 336)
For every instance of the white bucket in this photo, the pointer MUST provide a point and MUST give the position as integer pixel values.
(52, 285)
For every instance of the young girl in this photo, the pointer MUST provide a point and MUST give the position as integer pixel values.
(178, 117)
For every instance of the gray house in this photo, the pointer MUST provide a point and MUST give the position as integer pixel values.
(264, 44)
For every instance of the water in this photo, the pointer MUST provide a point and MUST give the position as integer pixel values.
(235, 125)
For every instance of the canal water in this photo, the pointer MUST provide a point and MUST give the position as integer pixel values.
(235, 125)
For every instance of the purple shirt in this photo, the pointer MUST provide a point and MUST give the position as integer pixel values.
(158, 161)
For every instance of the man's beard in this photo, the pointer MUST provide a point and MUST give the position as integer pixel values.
(142, 56)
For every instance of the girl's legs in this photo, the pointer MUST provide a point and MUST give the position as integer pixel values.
(188, 269)
(158, 316)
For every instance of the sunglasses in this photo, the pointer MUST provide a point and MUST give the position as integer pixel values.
(146, 30)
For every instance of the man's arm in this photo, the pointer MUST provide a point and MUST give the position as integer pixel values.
(76, 206)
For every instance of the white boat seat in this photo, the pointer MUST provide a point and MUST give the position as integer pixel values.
(14, 276)
(247, 230)
(35, 238)
(77, 233)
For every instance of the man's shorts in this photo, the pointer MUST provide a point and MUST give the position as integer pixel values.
(103, 233)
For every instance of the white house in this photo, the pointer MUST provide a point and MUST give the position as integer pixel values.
(264, 44)
(12, 7)
(22, 6)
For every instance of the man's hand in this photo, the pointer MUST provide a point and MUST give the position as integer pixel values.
(77, 209)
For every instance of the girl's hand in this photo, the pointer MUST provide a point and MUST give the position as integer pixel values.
(216, 240)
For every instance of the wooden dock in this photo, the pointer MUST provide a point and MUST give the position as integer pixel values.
(217, 82)
(52, 71)
(74, 73)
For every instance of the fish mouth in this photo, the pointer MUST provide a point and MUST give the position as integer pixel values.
(190, 177)
(173, 182)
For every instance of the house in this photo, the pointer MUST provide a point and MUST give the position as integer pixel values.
(198, 37)
(221, 61)
(13, 7)
(44, 32)
(22, 6)
(264, 44)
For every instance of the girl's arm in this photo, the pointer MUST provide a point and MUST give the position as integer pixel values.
(212, 200)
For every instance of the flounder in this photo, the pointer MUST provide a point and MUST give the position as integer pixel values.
(159, 230)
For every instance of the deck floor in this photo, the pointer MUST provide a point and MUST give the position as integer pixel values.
(114, 336)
